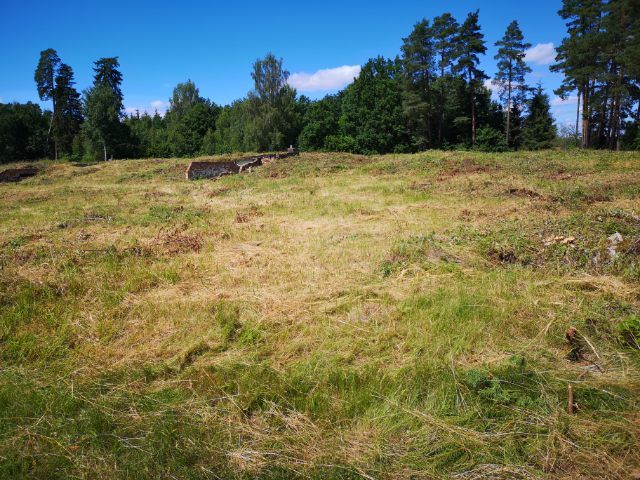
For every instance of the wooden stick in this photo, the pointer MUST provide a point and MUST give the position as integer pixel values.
(571, 406)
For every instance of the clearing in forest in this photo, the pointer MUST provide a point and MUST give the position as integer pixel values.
(324, 316)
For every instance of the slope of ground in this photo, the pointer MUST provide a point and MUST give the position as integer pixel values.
(327, 316)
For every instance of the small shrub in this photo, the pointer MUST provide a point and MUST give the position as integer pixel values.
(490, 140)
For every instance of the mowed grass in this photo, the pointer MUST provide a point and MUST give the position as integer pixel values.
(328, 316)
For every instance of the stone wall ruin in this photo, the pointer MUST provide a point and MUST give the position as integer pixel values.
(198, 169)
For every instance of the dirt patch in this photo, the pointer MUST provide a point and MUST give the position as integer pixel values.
(524, 193)
(176, 242)
(216, 192)
(17, 174)
(502, 256)
(156, 194)
(245, 216)
(465, 167)
(558, 176)
(420, 186)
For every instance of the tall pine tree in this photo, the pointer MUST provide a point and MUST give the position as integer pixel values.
(577, 55)
(67, 117)
(511, 70)
(44, 77)
(538, 129)
(104, 106)
(444, 31)
(418, 61)
(470, 42)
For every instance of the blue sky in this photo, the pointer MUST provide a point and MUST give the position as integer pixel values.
(161, 43)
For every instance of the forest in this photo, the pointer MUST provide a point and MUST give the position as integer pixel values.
(432, 95)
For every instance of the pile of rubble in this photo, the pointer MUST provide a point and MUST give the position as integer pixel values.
(197, 170)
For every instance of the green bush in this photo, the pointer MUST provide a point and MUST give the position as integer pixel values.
(489, 139)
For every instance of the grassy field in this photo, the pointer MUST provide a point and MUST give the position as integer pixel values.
(328, 316)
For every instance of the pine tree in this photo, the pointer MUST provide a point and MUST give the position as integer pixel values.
(577, 55)
(444, 30)
(418, 61)
(511, 69)
(44, 77)
(104, 105)
(67, 117)
(470, 42)
(538, 128)
(107, 74)
(621, 40)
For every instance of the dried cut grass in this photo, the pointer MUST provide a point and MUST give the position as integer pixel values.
(319, 318)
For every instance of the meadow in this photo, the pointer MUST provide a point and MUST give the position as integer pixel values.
(327, 316)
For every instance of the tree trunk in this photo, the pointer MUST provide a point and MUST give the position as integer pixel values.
(473, 113)
(618, 111)
(104, 146)
(592, 93)
(578, 112)
(602, 119)
(509, 104)
(508, 111)
(441, 108)
(53, 114)
(585, 115)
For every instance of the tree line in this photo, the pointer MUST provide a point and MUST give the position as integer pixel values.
(433, 94)
(600, 62)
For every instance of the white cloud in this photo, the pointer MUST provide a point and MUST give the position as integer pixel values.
(159, 105)
(557, 101)
(541, 54)
(488, 83)
(325, 79)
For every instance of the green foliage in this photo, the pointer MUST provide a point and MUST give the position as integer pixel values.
(229, 134)
(185, 95)
(321, 121)
(489, 139)
(512, 69)
(102, 124)
(103, 104)
(54, 81)
(187, 126)
(372, 109)
(599, 61)
(629, 330)
(23, 132)
(46, 73)
(418, 62)
(67, 117)
(107, 74)
(444, 31)
(539, 132)
(150, 134)
(470, 45)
